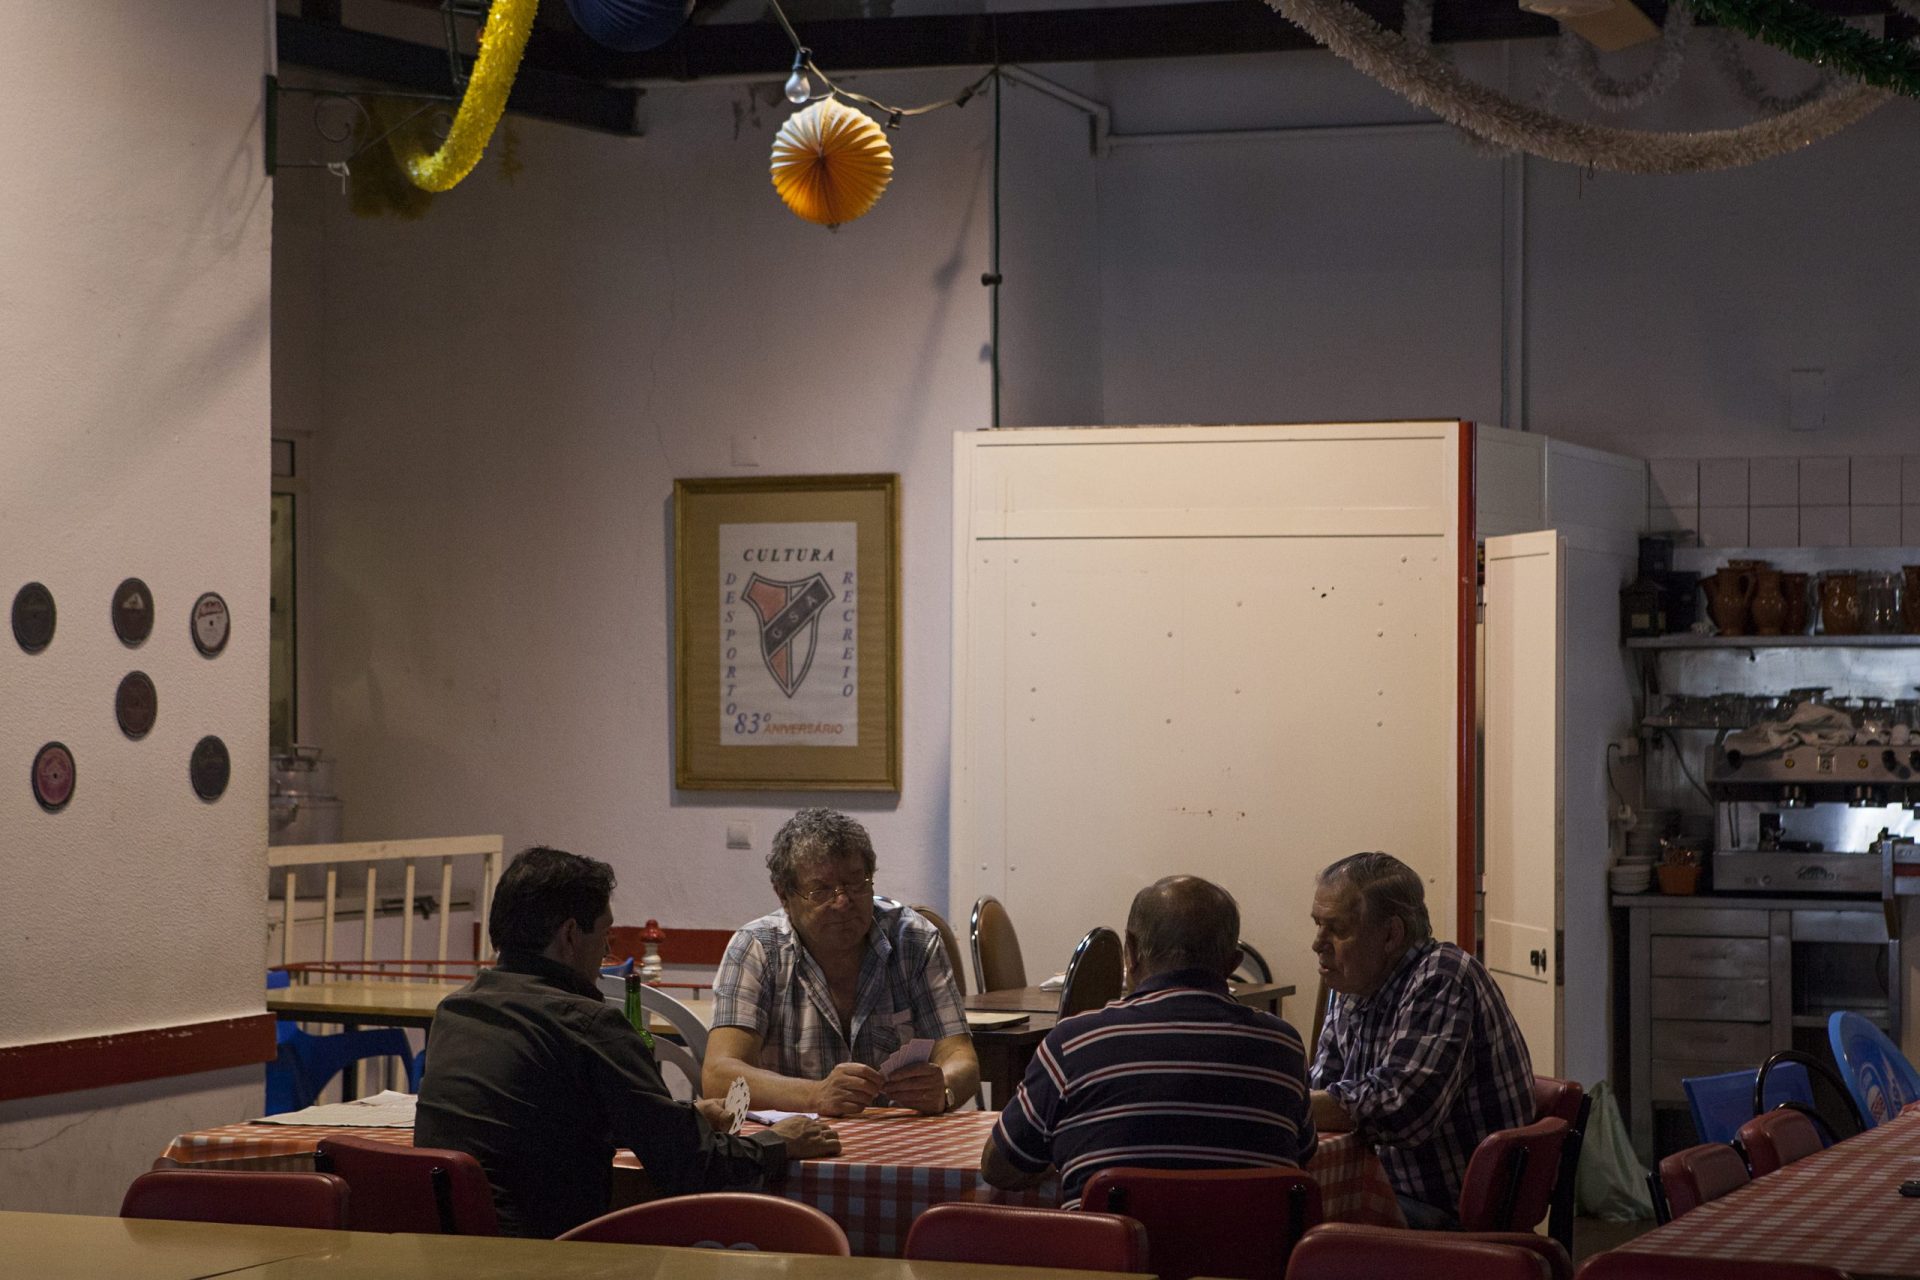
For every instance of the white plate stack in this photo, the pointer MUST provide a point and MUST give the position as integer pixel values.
(1631, 875)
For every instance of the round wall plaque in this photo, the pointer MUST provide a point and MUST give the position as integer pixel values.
(209, 768)
(53, 776)
(33, 617)
(211, 623)
(135, 704)
(132, 611)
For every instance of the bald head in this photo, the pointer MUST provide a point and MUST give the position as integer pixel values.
(1183, 922)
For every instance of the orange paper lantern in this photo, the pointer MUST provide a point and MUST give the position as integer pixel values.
(830, 163)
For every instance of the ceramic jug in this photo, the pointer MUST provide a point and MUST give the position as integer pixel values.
(1769, 605)
(1729, 592)
(1840, 603)
(1793, 586)
(1910, 599)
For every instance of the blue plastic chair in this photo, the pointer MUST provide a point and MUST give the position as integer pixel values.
(307, 1064)
(1876, 1073)
(620, 970)
(1722, 1103)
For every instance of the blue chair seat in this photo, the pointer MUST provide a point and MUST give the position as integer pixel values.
(1722, 1103)
(307, 1064)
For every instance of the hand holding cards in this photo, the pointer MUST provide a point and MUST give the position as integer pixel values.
(911, 1079)
(738, 1096)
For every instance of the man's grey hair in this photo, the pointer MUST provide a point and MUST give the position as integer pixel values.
(811, 837)
(1388, 888)
(1184, 922)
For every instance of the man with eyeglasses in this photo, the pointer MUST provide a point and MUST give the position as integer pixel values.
(812, 999)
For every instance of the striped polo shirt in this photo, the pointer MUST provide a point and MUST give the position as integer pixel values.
(1174, 1076)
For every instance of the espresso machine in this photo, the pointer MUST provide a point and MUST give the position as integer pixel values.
(1818, 796)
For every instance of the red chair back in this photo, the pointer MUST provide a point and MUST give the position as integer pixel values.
(1559, 1265)
(1557, 1098)
(317, 1200)
(1696, 1175)
(721, 1220)
(1777, 1139)
(1510, 1179)
(1563, 1100)
(1199, 1221)
(1007, 1235)
(1368, 1253)
(423, 1190)
(1621, 1265)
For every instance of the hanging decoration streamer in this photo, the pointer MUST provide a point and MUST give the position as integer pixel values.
(1574, 59)
(502, 41)
(1732, 62)
(1812, 36)
(831, 162)
(1430, 83)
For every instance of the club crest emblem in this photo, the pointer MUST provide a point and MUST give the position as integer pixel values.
(789, 614)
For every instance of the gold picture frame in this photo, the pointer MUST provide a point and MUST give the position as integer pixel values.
(786, 628)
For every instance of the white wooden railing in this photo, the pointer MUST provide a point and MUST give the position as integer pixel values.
(372, 854)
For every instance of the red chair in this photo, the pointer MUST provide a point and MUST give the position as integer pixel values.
(1511, 1177)
(1621, 1265)
(1696, 1175)
(1010, 1236)
(1428, 1255)
(422, 1190)
(1564, 1100)
(317, 1200)
(1201, 1222)
(721, 1220)
(1777, 1139)
(1559, 1265)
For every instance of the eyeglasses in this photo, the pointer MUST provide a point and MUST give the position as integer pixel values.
(828, 892)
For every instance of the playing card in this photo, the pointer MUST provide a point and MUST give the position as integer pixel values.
(737, 1097)
(910, 1054)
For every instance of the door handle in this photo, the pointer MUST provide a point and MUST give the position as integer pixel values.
(1538, 958)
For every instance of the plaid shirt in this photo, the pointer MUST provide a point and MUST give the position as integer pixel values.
(1427, 1066)
(771, 985)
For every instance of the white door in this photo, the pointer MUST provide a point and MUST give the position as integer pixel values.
(1523, 782)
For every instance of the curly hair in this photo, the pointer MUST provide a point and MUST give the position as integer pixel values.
(811, 837)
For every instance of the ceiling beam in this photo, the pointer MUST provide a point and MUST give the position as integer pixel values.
(543, 91)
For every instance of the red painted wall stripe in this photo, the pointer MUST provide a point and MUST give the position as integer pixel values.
(679, 946)
(64, 1066)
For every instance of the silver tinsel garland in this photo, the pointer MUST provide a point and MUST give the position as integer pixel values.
(1574, 59)
(1732, 62)
(1427, 82)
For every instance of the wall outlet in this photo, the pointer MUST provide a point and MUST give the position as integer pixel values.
(739, 835)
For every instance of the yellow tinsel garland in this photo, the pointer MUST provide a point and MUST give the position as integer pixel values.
(502, 41)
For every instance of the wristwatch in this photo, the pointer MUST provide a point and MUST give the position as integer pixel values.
(949, 1100)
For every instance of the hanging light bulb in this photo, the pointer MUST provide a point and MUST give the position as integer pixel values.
(799, 88)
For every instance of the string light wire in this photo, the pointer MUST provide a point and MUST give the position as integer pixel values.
(803, 57)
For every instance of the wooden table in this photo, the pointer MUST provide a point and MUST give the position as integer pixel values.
(1841, 1208)
(356, 1002)
(58, 1246)
(67, 1246)
(1039, 1000)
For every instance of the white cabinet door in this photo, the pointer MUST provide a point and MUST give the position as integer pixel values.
(1523, 780)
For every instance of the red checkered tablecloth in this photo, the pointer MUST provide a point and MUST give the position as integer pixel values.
(893, 1165)
(1841, 1208)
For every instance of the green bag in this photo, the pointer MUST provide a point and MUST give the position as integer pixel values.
(1610, 1184)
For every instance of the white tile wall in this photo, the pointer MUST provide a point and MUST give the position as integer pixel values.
(1823, 482)
(1876, 526)
(1876, 482)
(1786, 502)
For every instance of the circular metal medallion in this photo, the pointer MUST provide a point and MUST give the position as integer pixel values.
(210, 768)
(211, 623)
(135, 704)
(53, 776)
(33, 617)
(132, 611)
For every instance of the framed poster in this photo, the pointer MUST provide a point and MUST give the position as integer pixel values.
(786, 597)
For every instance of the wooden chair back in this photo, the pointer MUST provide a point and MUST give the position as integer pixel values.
(1095, 974)
(996, 948)
(951, 943)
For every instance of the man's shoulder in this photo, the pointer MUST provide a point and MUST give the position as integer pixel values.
(765, 934)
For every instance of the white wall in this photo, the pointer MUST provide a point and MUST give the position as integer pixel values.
(509, 388)
(134, 351)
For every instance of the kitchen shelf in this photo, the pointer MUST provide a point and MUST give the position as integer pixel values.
(1877, 1017)
(1687, 640)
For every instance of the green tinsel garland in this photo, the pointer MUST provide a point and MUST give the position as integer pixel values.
(1812, 36)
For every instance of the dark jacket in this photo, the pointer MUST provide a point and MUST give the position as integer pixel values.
(534, 1075)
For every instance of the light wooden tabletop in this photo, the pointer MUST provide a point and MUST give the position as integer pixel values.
(400, 1004)
(66, 1246)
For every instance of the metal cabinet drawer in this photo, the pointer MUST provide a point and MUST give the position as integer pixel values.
(1869, 927)
(1748, 1042)
(1713, 999)
(1710, 957)
(1719, 922)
